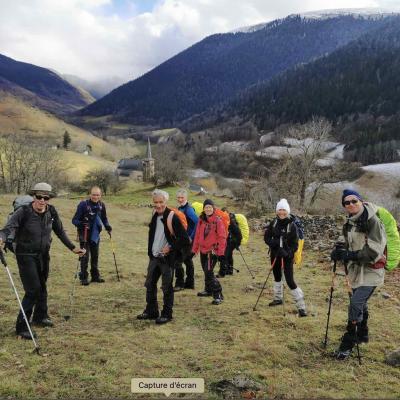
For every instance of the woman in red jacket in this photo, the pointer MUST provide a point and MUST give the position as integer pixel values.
(210, 240)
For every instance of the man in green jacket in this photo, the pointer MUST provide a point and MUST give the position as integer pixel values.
(363, 254)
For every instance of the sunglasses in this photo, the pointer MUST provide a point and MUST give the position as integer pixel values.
(348, 202)
(40, 197)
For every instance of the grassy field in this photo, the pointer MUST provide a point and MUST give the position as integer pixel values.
(103, 346)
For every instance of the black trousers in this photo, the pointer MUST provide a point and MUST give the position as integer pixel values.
(180, 272)
(287, 270)
(211, 283)
(226, 265)
(34, 271)
(159, 267)
(92, 252)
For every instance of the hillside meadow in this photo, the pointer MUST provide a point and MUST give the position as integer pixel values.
(103, 346)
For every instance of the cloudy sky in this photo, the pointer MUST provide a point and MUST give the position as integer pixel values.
(100, 39)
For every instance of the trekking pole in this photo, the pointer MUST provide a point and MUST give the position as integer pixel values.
(283, 287)
(252, 275)
(265, 283)
(325, 342)
(67, 317)
(113, 251)
(4, 262)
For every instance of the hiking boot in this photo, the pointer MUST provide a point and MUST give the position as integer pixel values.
(347, 344)
(275, 303)
(84, 282)
(26, 335)
(163, 320)
(229, 271)
(302, 312)
(147, 315)
(218, 300)
(362, 329)
(362, 334)
(204, 293)
(44, 323)
(178, 288)
(98, 279)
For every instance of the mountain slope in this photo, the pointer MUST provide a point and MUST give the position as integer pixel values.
(361, 77)
(54, 93)
(220, 66)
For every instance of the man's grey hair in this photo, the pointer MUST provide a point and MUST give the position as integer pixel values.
(182, 192)
(160, 193)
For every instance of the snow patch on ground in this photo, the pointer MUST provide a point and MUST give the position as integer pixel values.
(389, 169)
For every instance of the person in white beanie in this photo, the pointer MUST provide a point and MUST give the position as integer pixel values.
(282, 238)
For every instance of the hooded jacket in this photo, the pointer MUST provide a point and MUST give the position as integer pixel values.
(210, 235)
(365, 234)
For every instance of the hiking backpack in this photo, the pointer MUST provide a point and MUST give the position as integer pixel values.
(393, 238)
(244, 227)
(182, 217)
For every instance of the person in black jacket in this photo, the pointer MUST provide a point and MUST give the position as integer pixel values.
(167, 239)
(282, 238)
(30, 227)
(233, 242)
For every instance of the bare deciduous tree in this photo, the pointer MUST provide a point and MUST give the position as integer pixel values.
(22, 164)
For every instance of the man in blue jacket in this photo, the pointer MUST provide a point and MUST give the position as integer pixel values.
(191, 218)
(89, 217)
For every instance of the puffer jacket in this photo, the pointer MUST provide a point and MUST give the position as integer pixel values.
(210, 235)
(364, 233)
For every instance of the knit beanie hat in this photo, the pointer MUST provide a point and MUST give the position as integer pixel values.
(349, 192)
(208, 202)
(283, 205)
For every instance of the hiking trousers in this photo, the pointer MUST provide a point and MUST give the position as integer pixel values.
(92, 252)
(211, 283)
(180, 272)
(34, 271)
(287, 270)
(358, 306)
(159, 267)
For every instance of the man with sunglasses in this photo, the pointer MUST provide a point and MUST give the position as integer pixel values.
(31, 228)
(363, 255)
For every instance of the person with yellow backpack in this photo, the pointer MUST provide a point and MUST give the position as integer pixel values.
(282, 238)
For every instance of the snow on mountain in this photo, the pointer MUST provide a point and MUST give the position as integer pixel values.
(371, 13)
(390, 169)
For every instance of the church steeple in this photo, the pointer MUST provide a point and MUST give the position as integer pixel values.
(148, 164)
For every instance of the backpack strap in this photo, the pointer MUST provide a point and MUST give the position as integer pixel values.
(169, 223)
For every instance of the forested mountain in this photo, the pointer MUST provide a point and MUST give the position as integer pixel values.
(222, 65)
(357, 87)
(40, 86)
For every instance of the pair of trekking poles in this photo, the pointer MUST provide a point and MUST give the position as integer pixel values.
(350, 292)
(67, 317)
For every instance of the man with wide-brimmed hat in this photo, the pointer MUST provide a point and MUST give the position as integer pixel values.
(31, 226)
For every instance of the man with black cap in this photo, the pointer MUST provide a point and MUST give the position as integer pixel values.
(363, 255)
(210, 241)
(31, 228)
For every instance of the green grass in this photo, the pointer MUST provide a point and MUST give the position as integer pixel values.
(103, 346)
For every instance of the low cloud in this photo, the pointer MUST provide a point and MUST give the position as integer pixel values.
(77, 37)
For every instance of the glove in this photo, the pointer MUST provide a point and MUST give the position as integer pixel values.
(342, 254)
(282, 253)
(108, 228)
(237, 247)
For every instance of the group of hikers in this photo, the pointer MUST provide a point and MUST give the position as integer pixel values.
(173, 243)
